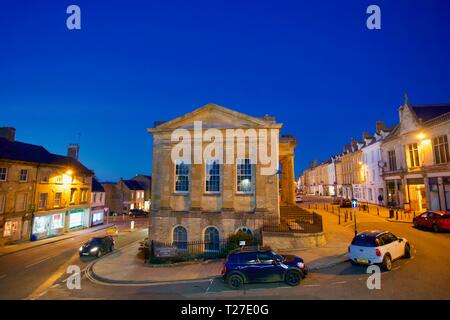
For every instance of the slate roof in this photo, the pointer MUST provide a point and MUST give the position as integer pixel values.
(20, 151)
(428, 112)
(96, 186)
(133, 185)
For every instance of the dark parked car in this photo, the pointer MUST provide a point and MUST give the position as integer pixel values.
(138, 213)
(435, 220)
(97, 246)
(346, 203)
(253, 265)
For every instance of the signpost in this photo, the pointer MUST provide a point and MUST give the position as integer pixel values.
(355, 206)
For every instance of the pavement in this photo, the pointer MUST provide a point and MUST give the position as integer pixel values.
(9, 249)
(29, 270)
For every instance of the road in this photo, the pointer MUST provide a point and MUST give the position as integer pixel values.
(424, 276)
(29, 273)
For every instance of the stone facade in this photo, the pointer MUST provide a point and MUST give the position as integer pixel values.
(227, 209)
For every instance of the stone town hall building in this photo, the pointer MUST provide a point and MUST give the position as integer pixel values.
(212, 200)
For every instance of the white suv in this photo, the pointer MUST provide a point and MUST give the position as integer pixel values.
(378, 247)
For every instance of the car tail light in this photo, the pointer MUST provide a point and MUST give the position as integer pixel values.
(224, 269)
(378, 252)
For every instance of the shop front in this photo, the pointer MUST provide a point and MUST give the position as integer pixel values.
(12, 229)
(97, 216)
(78, 218)
(416, 192)
(47, 225)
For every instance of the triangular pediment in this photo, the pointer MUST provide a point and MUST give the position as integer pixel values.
(214, 116)
(408, 120)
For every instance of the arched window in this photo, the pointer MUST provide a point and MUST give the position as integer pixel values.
(180, 238)
(212, 242)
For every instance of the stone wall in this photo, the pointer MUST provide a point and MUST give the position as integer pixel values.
(289, 241)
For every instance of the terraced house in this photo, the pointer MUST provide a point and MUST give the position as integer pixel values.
(41, 194)
(416, 158)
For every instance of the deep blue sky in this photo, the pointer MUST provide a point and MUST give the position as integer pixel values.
(312, 64)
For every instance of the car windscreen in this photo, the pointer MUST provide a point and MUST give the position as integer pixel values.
(363, 241)
(96, 241)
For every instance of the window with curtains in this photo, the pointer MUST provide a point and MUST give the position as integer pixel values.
(212, 176)
(440, 148)
(182, 169)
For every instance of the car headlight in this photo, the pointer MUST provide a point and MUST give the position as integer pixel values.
(301, 265)
(94, 249)
(81, 248)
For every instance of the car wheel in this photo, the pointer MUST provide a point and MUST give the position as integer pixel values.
(99, 253)
(235, 281)
(387, 263)
(416, 225)
(407, 251)
(111, 249)
(292, 278)
(435, 228)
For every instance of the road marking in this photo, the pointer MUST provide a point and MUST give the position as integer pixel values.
(55, 285)
(209, 286)
(339, 282)
(51, 280)
(311, 285)
(36, 263)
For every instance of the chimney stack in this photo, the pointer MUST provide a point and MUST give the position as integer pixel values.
(365, 135)
(73, 151)
(380, 125)
(8, 133)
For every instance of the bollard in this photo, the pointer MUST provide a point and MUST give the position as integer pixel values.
(378, 211)
(339, 219)
(351, 216)
(396, 214)
(345, 215)
(316, 206)
(132, 224)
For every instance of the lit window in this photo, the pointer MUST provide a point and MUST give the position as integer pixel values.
(58, 197)
(182, 176)
(440, 147)
(23, 177)
(244, 176)
(212, 176)
(43, 200)
(3, 174)
(72, 195)
(413, 151)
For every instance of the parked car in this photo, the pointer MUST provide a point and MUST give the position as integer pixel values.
(378, 247)
(435, 220)
(97, 246)
(255, 264)
(138, 213)
(346, 203)
(298, 198)
(337, 200)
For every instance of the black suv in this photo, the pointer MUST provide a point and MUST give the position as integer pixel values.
(254, 264)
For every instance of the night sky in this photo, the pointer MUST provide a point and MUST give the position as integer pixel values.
(312, 64)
